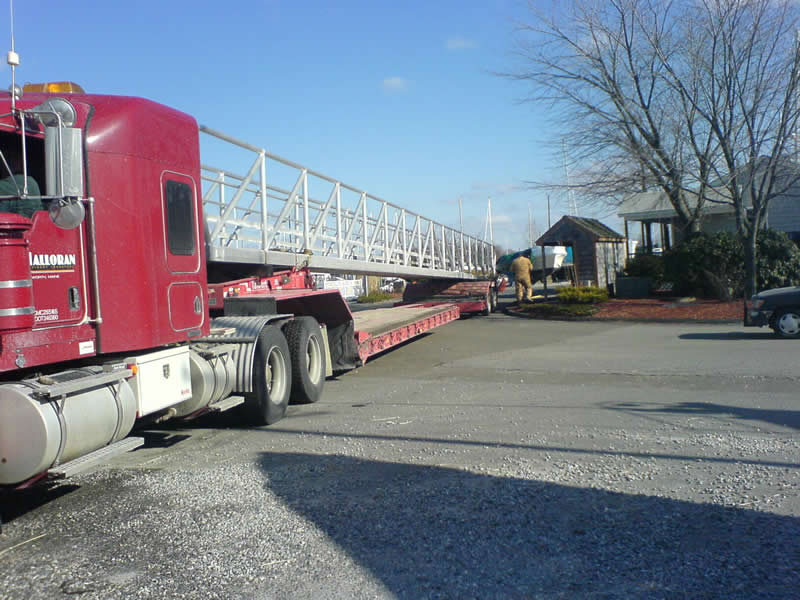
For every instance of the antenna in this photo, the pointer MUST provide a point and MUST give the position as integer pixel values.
(12, 59)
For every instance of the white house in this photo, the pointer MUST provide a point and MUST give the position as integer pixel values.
(654, 208)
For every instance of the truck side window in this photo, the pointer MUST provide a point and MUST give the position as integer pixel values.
(180, 218)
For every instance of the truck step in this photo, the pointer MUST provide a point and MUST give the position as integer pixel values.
(69, 382)
(92, 460)
(226, 403)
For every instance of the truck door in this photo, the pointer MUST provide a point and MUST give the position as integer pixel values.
(181, 223)
(57, 259)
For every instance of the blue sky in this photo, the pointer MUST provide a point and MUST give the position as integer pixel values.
(396, 98)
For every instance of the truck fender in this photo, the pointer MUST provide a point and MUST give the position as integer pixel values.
(245, 336)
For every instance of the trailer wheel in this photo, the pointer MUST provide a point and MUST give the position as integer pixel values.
(307, 352)
(272, 376)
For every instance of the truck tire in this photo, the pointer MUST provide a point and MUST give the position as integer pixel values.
(787, 323)
(272, 378)
(307, 352)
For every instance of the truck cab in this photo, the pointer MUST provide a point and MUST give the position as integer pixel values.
(127, 271)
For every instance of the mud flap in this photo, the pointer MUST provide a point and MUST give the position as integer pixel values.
(344, 352)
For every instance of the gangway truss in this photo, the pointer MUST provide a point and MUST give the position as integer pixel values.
(269, 215)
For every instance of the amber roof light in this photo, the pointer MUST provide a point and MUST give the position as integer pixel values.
(54, 87)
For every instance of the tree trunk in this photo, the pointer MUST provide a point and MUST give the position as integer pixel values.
(750, 257)
(686, 225)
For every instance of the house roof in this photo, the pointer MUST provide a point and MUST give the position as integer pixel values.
(655, 205)
(561, 234)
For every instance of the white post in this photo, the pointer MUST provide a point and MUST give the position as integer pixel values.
(419, 241)
(364, 222)
(339, 241)
(264, 212)
(385, 233)
(305, 212)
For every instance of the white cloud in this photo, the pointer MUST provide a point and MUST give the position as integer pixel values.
(460, 43)
(396, 84)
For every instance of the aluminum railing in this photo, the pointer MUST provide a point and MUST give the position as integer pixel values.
(277, 221)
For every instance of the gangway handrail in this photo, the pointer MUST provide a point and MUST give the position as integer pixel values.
(277, 222)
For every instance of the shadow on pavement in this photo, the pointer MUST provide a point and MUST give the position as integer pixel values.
(15, 503)
(437, 532)
(785, 418)
(445, 442)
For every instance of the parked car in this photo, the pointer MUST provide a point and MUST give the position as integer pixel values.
(778, 308)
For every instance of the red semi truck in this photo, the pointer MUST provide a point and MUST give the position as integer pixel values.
(110, 312)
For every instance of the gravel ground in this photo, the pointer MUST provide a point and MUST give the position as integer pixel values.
(446, 471)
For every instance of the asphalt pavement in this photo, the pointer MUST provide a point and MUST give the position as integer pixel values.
(495, 457)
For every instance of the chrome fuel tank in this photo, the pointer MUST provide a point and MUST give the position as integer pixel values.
(37, 433)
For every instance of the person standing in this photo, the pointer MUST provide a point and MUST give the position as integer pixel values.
(521, 267)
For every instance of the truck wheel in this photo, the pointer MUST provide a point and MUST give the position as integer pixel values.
(307, 352)
(272, 376)
(787, 324)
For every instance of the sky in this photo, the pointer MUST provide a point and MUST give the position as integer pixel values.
(400, 99)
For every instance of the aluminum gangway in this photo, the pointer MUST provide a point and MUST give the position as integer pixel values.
(276, 212)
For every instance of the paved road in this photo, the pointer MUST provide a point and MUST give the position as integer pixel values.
(494, 458)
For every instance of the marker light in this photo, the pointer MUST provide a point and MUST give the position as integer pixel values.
(54, 87)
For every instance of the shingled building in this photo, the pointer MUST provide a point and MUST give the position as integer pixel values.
(598, 251)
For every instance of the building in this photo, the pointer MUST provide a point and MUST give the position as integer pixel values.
(658, 220)
(598, 252)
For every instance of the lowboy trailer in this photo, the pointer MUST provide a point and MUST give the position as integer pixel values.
(128, 293)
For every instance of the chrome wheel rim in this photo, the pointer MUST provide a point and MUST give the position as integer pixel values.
(314, 359)
(275, 375)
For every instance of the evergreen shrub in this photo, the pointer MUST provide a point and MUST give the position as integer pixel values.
(582, 295)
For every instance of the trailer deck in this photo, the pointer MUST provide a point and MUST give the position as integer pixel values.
(379, 329)
(374, 329)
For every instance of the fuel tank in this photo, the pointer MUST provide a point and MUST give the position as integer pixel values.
(213, 376)
(35, 433)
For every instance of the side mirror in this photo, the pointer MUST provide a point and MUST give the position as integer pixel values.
(67, 213)
(63, 148)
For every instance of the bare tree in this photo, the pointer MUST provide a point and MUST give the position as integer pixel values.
(746, 65)
(601, 66)
(697, 99)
